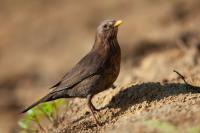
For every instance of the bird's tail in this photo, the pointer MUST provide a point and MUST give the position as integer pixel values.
(49, 97)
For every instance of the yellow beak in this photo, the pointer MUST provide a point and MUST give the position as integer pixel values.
(118, 23)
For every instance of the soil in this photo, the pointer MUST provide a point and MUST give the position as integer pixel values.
(38, 46)
(126, 108)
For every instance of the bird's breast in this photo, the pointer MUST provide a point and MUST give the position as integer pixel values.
(112, 68)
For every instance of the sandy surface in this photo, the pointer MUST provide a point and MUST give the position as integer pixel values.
(40, 41)
(129, 106)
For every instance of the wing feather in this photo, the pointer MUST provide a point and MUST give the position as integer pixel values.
(88, 66)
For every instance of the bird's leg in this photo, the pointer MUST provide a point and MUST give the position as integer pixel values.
(94, 108)
(91, 107)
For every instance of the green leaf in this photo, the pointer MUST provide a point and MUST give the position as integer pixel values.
(43, 110)
(164, 127)
(59, 102)
(194, 130)
(30, 112)
(48, 107)
(23, 125)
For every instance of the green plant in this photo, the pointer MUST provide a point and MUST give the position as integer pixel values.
(194, 130)
(162, 126)
(34, 117)
(166, 127)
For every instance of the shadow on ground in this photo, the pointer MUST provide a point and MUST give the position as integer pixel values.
(128, 97)
(149, 92)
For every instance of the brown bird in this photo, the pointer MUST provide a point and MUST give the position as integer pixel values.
(95, 72)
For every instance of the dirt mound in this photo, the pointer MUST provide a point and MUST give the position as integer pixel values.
(40, 41)
(130, 107)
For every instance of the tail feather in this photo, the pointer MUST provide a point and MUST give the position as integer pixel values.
(47, 98)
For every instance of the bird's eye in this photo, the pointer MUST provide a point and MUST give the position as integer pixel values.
(106, 27)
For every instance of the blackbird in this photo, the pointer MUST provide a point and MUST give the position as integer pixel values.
(94, 73)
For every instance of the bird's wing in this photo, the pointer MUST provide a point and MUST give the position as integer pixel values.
(89, 66)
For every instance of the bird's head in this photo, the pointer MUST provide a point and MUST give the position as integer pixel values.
(108, 29)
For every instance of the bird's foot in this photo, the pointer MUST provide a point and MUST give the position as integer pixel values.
(98, 124)
(92, 111)
(113, 86)
(94, 108)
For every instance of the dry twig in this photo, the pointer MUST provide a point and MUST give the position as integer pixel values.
(181, 76)
(188, 86)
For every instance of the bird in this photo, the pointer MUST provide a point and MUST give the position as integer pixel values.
(94, 73)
